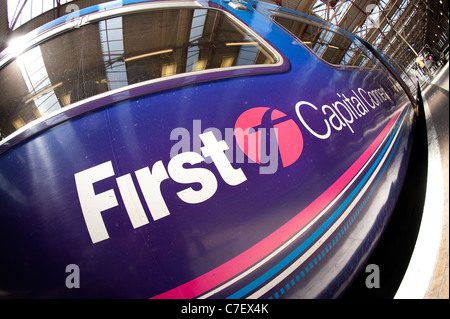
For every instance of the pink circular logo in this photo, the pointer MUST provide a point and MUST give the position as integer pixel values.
(248, 133)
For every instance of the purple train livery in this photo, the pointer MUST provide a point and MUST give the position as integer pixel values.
(195, 149)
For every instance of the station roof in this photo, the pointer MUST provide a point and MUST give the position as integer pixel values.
(398, 28)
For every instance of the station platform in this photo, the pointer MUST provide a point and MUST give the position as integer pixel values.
(413, 253)
(427, 275)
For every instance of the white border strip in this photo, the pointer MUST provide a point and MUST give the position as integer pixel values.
(421, 266)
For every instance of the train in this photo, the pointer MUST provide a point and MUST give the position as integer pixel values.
(196, 150)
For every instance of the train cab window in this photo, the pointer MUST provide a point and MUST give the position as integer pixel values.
(115, 52)
(331, 46)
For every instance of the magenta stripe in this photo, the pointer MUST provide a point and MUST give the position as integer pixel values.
(251, 256)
